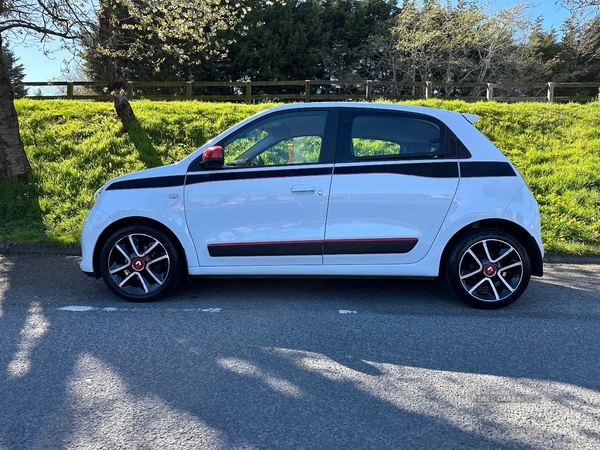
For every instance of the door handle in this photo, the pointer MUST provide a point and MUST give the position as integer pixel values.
(303, 189)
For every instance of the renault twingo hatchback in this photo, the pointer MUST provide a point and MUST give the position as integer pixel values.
(324, 189)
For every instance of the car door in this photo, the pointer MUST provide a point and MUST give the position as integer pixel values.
(267, 205)
(394, 181)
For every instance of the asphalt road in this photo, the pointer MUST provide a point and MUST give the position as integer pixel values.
(293, 364)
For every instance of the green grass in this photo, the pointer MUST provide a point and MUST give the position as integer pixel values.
(75, 146)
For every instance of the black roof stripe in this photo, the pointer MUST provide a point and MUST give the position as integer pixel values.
(444, 169)
(209, 176)
(146, 183)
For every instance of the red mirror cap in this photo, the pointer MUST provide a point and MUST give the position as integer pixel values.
(214, 152)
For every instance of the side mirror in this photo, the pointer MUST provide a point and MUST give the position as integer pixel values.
(212, 157)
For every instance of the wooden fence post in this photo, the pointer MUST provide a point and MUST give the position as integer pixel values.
(428, 90)
(188, 90)
(550, 95)
(369, 90)
(307, 91)
(70, 90)
(489, 95)
(248, 92)
(130, 90)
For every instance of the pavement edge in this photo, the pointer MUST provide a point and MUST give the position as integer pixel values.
(7, 248)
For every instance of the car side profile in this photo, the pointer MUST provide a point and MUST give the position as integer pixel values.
(324, 189)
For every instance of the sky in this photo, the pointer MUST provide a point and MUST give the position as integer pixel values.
(39, 67)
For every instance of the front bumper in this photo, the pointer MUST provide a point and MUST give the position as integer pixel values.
(93, 226)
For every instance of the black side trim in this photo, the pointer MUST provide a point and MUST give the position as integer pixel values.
(146, 183)
(486, 169)
(431, 170)
(331, 247)
(253, 174)
(359, 247)
(267, 249)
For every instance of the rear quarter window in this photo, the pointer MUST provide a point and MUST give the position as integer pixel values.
(385, 136)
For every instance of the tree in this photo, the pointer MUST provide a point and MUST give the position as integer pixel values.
(161, 25)
(455, 43)
(580, 4)
(295, 39)
(161, 28)
(16, 72)
(581, 10)
(25, 16)
(536, 58)
(265, 45)
(350, 26)
(163, 66)
(436, 40)
(284, 46)
(578, 58)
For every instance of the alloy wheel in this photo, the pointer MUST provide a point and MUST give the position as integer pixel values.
(491, 270)
(138, 264)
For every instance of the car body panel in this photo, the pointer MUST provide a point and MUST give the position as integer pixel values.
(273, 218)
(96, 221)
(386, 206)
(136, 197)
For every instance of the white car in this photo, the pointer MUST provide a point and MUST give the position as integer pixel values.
(324, 189)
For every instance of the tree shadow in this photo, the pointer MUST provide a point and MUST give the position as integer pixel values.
(146, 151)
(21, 217)
(280, 367)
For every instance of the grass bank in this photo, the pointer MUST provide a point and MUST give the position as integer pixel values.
(74, 147)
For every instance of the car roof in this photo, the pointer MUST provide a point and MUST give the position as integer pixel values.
(442, 114)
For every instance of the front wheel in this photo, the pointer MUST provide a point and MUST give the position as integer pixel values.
(488, 269)
(140, 263)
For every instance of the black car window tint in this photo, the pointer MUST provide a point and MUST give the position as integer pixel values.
(381, 136)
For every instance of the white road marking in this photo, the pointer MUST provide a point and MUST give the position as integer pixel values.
(78, 308)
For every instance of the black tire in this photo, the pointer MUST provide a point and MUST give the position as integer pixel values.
(488, 269)
(140, 263)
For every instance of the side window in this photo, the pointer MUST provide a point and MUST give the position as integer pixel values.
(283, 139)
(385, 136)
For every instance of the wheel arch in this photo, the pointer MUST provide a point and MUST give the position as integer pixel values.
(127, 221)
(518, 232)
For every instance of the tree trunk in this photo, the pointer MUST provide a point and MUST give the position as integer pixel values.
(112, 73)
(124, 110)
(116, 85)
(13, 160)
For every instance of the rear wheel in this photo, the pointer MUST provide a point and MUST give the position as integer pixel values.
(488, 269)
(140, 263)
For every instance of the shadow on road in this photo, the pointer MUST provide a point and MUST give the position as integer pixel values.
(274, 364)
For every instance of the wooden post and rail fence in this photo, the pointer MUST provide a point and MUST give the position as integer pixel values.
(318, 90)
